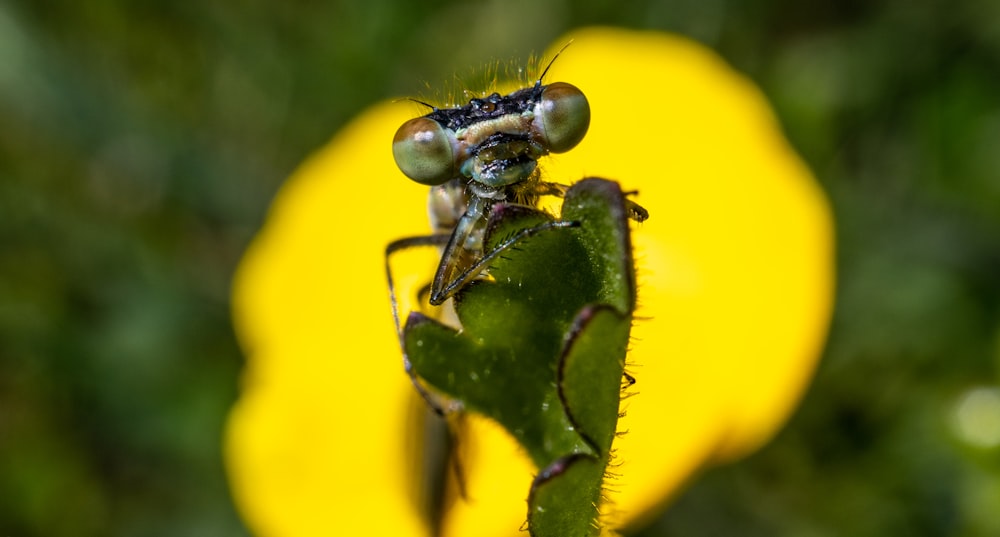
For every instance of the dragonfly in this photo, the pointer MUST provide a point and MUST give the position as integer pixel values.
(476, 158)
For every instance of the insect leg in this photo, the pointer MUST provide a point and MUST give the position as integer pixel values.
(459, 251)
(441, 291)
(448, 423)
(393, 247)
(545, 188)
(635, 211)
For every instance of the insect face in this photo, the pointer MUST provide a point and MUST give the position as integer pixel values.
(493, 142)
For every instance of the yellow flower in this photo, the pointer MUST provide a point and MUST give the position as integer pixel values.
(735, 276)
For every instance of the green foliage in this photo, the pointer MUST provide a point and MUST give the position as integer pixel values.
(142, 142)
(542, 348)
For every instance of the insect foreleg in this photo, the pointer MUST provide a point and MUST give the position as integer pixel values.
(393, 247)
(545, 188)
(635, 211)
(447, 290)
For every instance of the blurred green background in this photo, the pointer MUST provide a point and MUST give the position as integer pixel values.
(141, 142)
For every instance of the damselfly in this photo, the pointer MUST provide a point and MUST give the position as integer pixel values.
(479, 157)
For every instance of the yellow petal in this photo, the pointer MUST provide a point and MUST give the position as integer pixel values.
(316, 444)
(735, 263)
(735, 274)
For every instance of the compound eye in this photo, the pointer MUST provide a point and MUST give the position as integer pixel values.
(423, 151)
(565, 116)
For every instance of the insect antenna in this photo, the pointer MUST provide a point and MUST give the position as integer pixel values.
(418, 101)
(553, 60)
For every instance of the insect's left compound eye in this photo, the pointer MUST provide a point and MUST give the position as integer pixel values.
(423, 151)
(565, 116)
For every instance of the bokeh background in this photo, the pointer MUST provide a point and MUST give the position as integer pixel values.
(141, 142)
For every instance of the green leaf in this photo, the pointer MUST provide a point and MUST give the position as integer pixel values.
(542, 348)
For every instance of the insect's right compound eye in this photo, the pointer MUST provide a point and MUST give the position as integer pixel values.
(423, 151)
